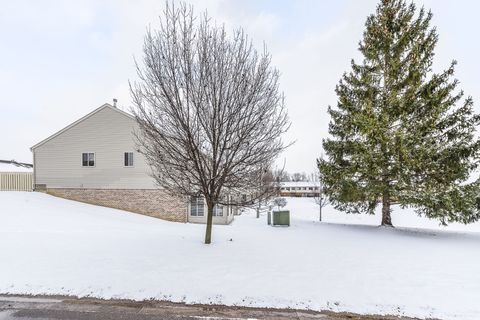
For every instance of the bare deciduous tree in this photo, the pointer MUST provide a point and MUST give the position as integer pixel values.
(280, 203)
(282, 175)
(209, 109)
(267, 188)
(299, 176)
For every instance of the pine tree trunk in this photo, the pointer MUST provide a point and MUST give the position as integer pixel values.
(208, 231)
(386, 218)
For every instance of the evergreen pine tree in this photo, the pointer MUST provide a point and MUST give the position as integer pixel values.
(400, 132)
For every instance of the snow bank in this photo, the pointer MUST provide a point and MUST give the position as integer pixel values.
(54, 246)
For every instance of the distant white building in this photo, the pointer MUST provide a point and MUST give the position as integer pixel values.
(299, 189)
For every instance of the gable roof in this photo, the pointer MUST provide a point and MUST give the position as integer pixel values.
(102, 107)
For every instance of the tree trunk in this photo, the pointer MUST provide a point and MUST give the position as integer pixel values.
(208, 231)
(386, 218)
(320, 210)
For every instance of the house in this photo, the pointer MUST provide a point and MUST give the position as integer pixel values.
(299, 189)
(95, 160)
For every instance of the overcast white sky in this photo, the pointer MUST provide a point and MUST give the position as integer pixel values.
(61, 59)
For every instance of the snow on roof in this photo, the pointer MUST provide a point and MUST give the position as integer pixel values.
(290, 184)
(10, 167)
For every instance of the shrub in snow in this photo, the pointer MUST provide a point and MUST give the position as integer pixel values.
(280, 202)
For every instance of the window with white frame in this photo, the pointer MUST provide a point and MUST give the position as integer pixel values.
(128, 159)
(197, 206)
(218, 210)
(88, 159)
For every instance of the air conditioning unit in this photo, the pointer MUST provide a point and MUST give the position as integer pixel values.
(279, 218)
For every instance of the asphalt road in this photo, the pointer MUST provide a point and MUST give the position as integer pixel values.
(43, 308)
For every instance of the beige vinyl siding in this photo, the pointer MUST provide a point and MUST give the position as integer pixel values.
(109, 134)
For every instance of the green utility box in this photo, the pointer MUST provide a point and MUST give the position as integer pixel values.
(281, 218)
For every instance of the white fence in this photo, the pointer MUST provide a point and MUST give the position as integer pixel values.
(16, 181)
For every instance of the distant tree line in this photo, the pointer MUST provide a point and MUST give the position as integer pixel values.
(285, 176)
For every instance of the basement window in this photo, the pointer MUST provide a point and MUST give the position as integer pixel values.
(197, 207)
(128, 159)
(218, 210)
(88, 159)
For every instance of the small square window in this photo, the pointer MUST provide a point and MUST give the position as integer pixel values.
(128, 159)
(88, 159)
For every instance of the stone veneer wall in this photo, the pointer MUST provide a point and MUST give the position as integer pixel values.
(154, 203)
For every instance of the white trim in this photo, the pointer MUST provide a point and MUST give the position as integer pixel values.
(215, 209)
(106, 105)
(34, 181)
(190, 207)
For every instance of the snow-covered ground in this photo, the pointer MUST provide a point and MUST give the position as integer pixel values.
(54, 246)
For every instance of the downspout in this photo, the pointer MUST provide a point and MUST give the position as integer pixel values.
(34, 171)
(186, 210)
